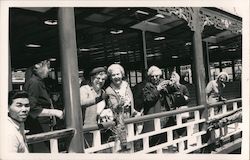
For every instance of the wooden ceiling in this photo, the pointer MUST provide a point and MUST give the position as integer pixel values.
(97, 46)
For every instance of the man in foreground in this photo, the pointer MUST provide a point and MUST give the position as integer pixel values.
(18, 107)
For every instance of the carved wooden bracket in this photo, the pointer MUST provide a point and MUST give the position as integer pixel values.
(205, 17)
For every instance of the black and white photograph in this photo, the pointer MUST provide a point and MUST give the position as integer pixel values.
(124, 80)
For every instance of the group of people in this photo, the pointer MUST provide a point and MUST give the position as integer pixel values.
(107, 97)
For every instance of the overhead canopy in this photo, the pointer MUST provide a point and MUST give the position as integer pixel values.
(108, 35)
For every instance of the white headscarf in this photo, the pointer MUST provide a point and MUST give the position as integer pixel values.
(222, 73)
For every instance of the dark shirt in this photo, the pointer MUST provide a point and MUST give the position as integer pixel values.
(39, 96)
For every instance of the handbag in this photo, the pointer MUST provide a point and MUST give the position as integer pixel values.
(179, 99)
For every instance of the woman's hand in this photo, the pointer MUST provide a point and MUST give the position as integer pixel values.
(163, 85)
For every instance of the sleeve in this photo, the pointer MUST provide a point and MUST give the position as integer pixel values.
(185, 91)
(34, 89)
(209, 87)
(150, 94)
(12, 145)
(132, 100)
(85, 99)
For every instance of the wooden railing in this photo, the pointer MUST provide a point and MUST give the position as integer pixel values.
(230, 132)
(52, 136)
(189, 143)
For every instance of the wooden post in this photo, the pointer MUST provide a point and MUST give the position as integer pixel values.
(233, 69)
(198, 56)
(69, 65)
(220, 65)
(208, 63)
(144, 47)
(199, 70)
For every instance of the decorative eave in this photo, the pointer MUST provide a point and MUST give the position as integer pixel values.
(207, 18)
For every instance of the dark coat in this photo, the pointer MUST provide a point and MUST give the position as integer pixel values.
(148, 98)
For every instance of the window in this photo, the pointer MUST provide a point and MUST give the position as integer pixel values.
(238, 69)
(135, 77)
(186, 74)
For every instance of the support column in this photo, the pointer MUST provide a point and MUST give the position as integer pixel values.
(69, 65)
(144, 47)
(199, 71)
(208, 63)
(220, 65)
(233, 70)
(199, 67)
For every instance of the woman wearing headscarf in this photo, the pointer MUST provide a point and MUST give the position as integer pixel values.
(180, 97)
(180, 91)
(214, 94)
(215, 87)
(121, 102)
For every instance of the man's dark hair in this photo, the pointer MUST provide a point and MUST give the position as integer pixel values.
(16, 94)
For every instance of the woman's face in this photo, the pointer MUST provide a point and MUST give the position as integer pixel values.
(222, 78)
(98, 81)
(116, 77)
(173, 79)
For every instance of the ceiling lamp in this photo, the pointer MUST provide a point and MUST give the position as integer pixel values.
(213, 47)
(116, 31)
(51, 22)
(142, 12)
(153, 55)
(120, 53)
(231, 49)
(159, 38)
(33, 45)
(160, 16)
(87, 49)
(52, 59)
(175, 56)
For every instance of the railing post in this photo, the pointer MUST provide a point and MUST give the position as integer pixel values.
(69, 65)
(235, 106)
(96, 138)
(224, 108)
(130, 128)
(54, 146)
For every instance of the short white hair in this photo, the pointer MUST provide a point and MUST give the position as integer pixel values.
(115, 66)
(154, 69)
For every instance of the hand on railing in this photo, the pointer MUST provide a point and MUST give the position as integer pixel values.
(222, 99)
(58, 113)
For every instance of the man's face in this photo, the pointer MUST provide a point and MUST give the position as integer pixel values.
(155, 78)
(98, 81)
(19, 109)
